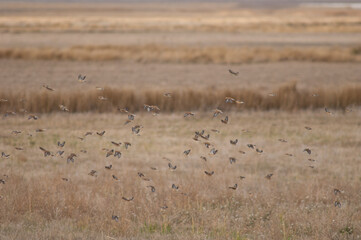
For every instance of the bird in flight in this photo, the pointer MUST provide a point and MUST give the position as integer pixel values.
(48, 88)
(187, 114)
(234, 187)
(167, 94)
(209, 173)
(127, 199)
(217, 112)
(232, 72)
(225, 120)
(233, 142)
(268, 176)
(232, 100)
(81, 78)
(307, 150)
(63, 108)
(46, 152)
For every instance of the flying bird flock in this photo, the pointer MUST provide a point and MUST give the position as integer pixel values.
(202, 138)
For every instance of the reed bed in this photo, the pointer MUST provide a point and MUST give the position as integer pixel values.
(186, 54)
(286, 97)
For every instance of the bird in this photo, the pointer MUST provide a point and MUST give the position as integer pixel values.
(115, 177)
(117, 154)
(336, 191)
(213, 151)
(109, 153)
(109, 167)
(232, 160)
(115, 218)
(65, 179)
(128, 199)
(102, 98)
(337, 204)
(16, 132)
(136, 129)
(167, 94)
(216, 112)
(282, 140)
(33, 117)
(40, 130)
(188, 114)
(101, 133)
(233, 142)
(204, 158)
(2, 181)
(311, 160)
(48, 88)
(59, 153)
(251, 145)
(131, 116)
(259, 150)
(152, 188)
(234, 187)
(116, 143)
(122, 110)
(171, 166)
(70, 158)
(81, 78)
(140, 174)
(89, 133)
(207, 144)
(93, 173)
(307, 150)
(46, 152)
(225, 120)
(209, 173)
(308, 128)
(233, 73)
(289, 154)
(19, 148)
(4, 155)
(242, 177)
(268, 176)
(61, 144)
(186, 152)
(63, 108)
(243, 152)
(232, 100)
(175, 186)
(215, 130)
(328, 111)
(127, 144)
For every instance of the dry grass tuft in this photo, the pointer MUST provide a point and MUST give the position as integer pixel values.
(287, 97)
(186, 54)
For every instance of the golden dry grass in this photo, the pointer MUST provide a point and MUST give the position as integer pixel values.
(297, 203)
(286, 97)
(187, 54)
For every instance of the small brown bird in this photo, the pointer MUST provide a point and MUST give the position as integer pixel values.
(268, 176)
(48, 88)
(88, 133)
(282, 140)
(242, 177)
(40, 130)
(115, 177)
(308, 128)
(186, 152)
(117, 154)
(232, 160)
(140, 174)
(153, 168)
(122, 110)
(127, 144)
(259, 150)
(204, 158)
(61, 144)
(217, 112)
(81, 78)
(171, 166)
(167, 94)
(63, 108)
(328, 111)
(234, 187)
(207, 144)
(336, 191)
(307, 150)
(59, 153)
(4, 155)
(225, 120)
(70, 158)
(136, 129)
(109, 167)
(46, 152)
(251, 145)
(131, 116)
(19, 148)
(116, 143)
(109, 153)
(175, 186)
(152, 188)
(215, 130)
(311, 160)
(33, 117)
(337, 204)
(214, 151)
(83, 151)
(209, 173)
(101, 133)
(115, 218)
(2, 181)
(188, 114)
(16, 132)
(289, 154)
(233, 73)
(233, 142)
(128, 199)
(243, 152)
(93, 173)
(65, 179)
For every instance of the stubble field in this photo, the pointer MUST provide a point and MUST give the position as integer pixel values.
(293, 173)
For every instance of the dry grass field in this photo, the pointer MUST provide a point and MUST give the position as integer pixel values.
(282, 163)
